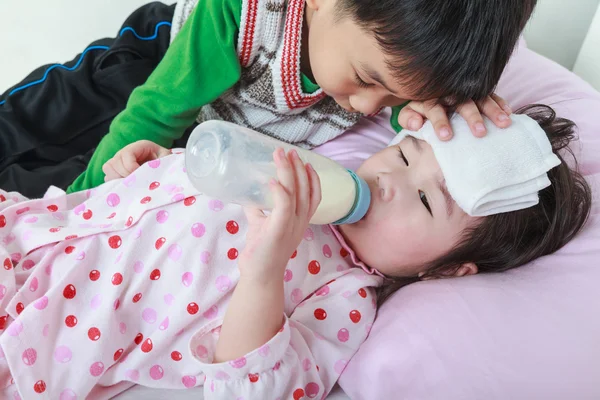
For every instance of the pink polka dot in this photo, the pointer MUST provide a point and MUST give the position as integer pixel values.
(175, 252)
(339, 366)
(132, 374)
(31, 220)
(189, 381)
(222, 376)
(297, 295)
(149, 315)
(169, 299)
(15, 328)
(215, 205)
(205, 257)
(311, 390)
(327, 251)
(138, 233)
(48, 269)
(62, 354)
(46, 330)
(122, 328)
(341, 268)
(154, 163)
(162, 216)
(67, 394)
(27, 265)
(201, 351)
(156, 372)
(41, 303)
(29, 356)
(97, 368)
(326, 229)
(306, 364)
(264, 351)
(96, 301)
(138, 267)
(211, 313)
(16, 395)
(164, 325)
(79, 209)
(178, 197)
(198, 230)
(347, 294)
(343, 335)
(187, 279)
(309, 234)
(2, 291)
(113, 200)
(130, 180)
(223, 284)
(323, 291)
(80, 256)
(27, 235)
(288, 275)
(238, 363)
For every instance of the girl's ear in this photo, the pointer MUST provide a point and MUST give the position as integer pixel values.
(465, 269)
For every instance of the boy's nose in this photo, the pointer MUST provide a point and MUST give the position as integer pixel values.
(365, 104)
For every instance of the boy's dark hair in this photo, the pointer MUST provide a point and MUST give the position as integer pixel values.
(453, 50)
(508, 240)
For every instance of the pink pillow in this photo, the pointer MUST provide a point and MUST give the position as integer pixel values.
(530, 333)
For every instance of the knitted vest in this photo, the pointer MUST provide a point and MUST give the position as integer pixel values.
(269, 98)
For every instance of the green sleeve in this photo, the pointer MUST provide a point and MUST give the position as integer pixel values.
(394, 118)
(198, 67)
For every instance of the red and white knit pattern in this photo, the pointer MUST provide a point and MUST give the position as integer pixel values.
(269, 96)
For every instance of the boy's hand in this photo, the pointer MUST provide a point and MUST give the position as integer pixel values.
(271, 240)
(130, 157)
(414, 114)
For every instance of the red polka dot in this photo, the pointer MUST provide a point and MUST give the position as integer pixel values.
(253, 378)
(155, 275)
(7, 264)
(147, 346)
(159, 243)
(111, 216)
(232, 227)
(2, 221)
(344, 252)
(115, 242)
(20, 307)
(193, 308)
(137, 297)
(2, 199)
(94, 275)
(355, 316)
(69, 292)
(69, 249)
(118, 354)
(116, 304)
(232, 254)
(320, 314)
(71, 237)
(129, 222)
(176, 356)
(52, 208)
(154, 185)
(188, 201)
(362, 293)
(146, 200)
(298, 394)
(295, 254)
(314, 267)
(39, 387)
(138, 338)
(88, 214)
(54, 230)
(71, 321)
(94, 334)
(117, 279)
(3, 321)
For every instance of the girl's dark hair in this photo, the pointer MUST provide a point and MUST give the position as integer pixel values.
(508, 240)
(454, 50)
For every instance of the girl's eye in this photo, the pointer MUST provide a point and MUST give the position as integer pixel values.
(360, 82)
(402, 156)
(425, 202)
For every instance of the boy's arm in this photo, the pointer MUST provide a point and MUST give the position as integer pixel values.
(200, 65)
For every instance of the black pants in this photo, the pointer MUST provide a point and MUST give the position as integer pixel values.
(51, 122)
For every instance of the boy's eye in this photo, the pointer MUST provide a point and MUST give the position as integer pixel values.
(402, 156)
(360, 82)
(425, 202)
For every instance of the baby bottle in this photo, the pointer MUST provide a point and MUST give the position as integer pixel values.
(235, 165)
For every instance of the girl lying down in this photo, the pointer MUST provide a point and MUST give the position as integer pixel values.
(146, 281)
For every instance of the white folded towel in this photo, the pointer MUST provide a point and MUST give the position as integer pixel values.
(501, 172)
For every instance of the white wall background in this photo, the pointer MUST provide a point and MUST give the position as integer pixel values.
(37, 32)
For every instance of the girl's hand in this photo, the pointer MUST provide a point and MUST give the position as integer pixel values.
(271, 240)
(130, 157)
(414, 114)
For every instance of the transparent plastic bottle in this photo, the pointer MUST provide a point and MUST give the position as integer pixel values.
(235, 165)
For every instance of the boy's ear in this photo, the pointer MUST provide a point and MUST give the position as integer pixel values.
(314, 4)
(465, 269)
